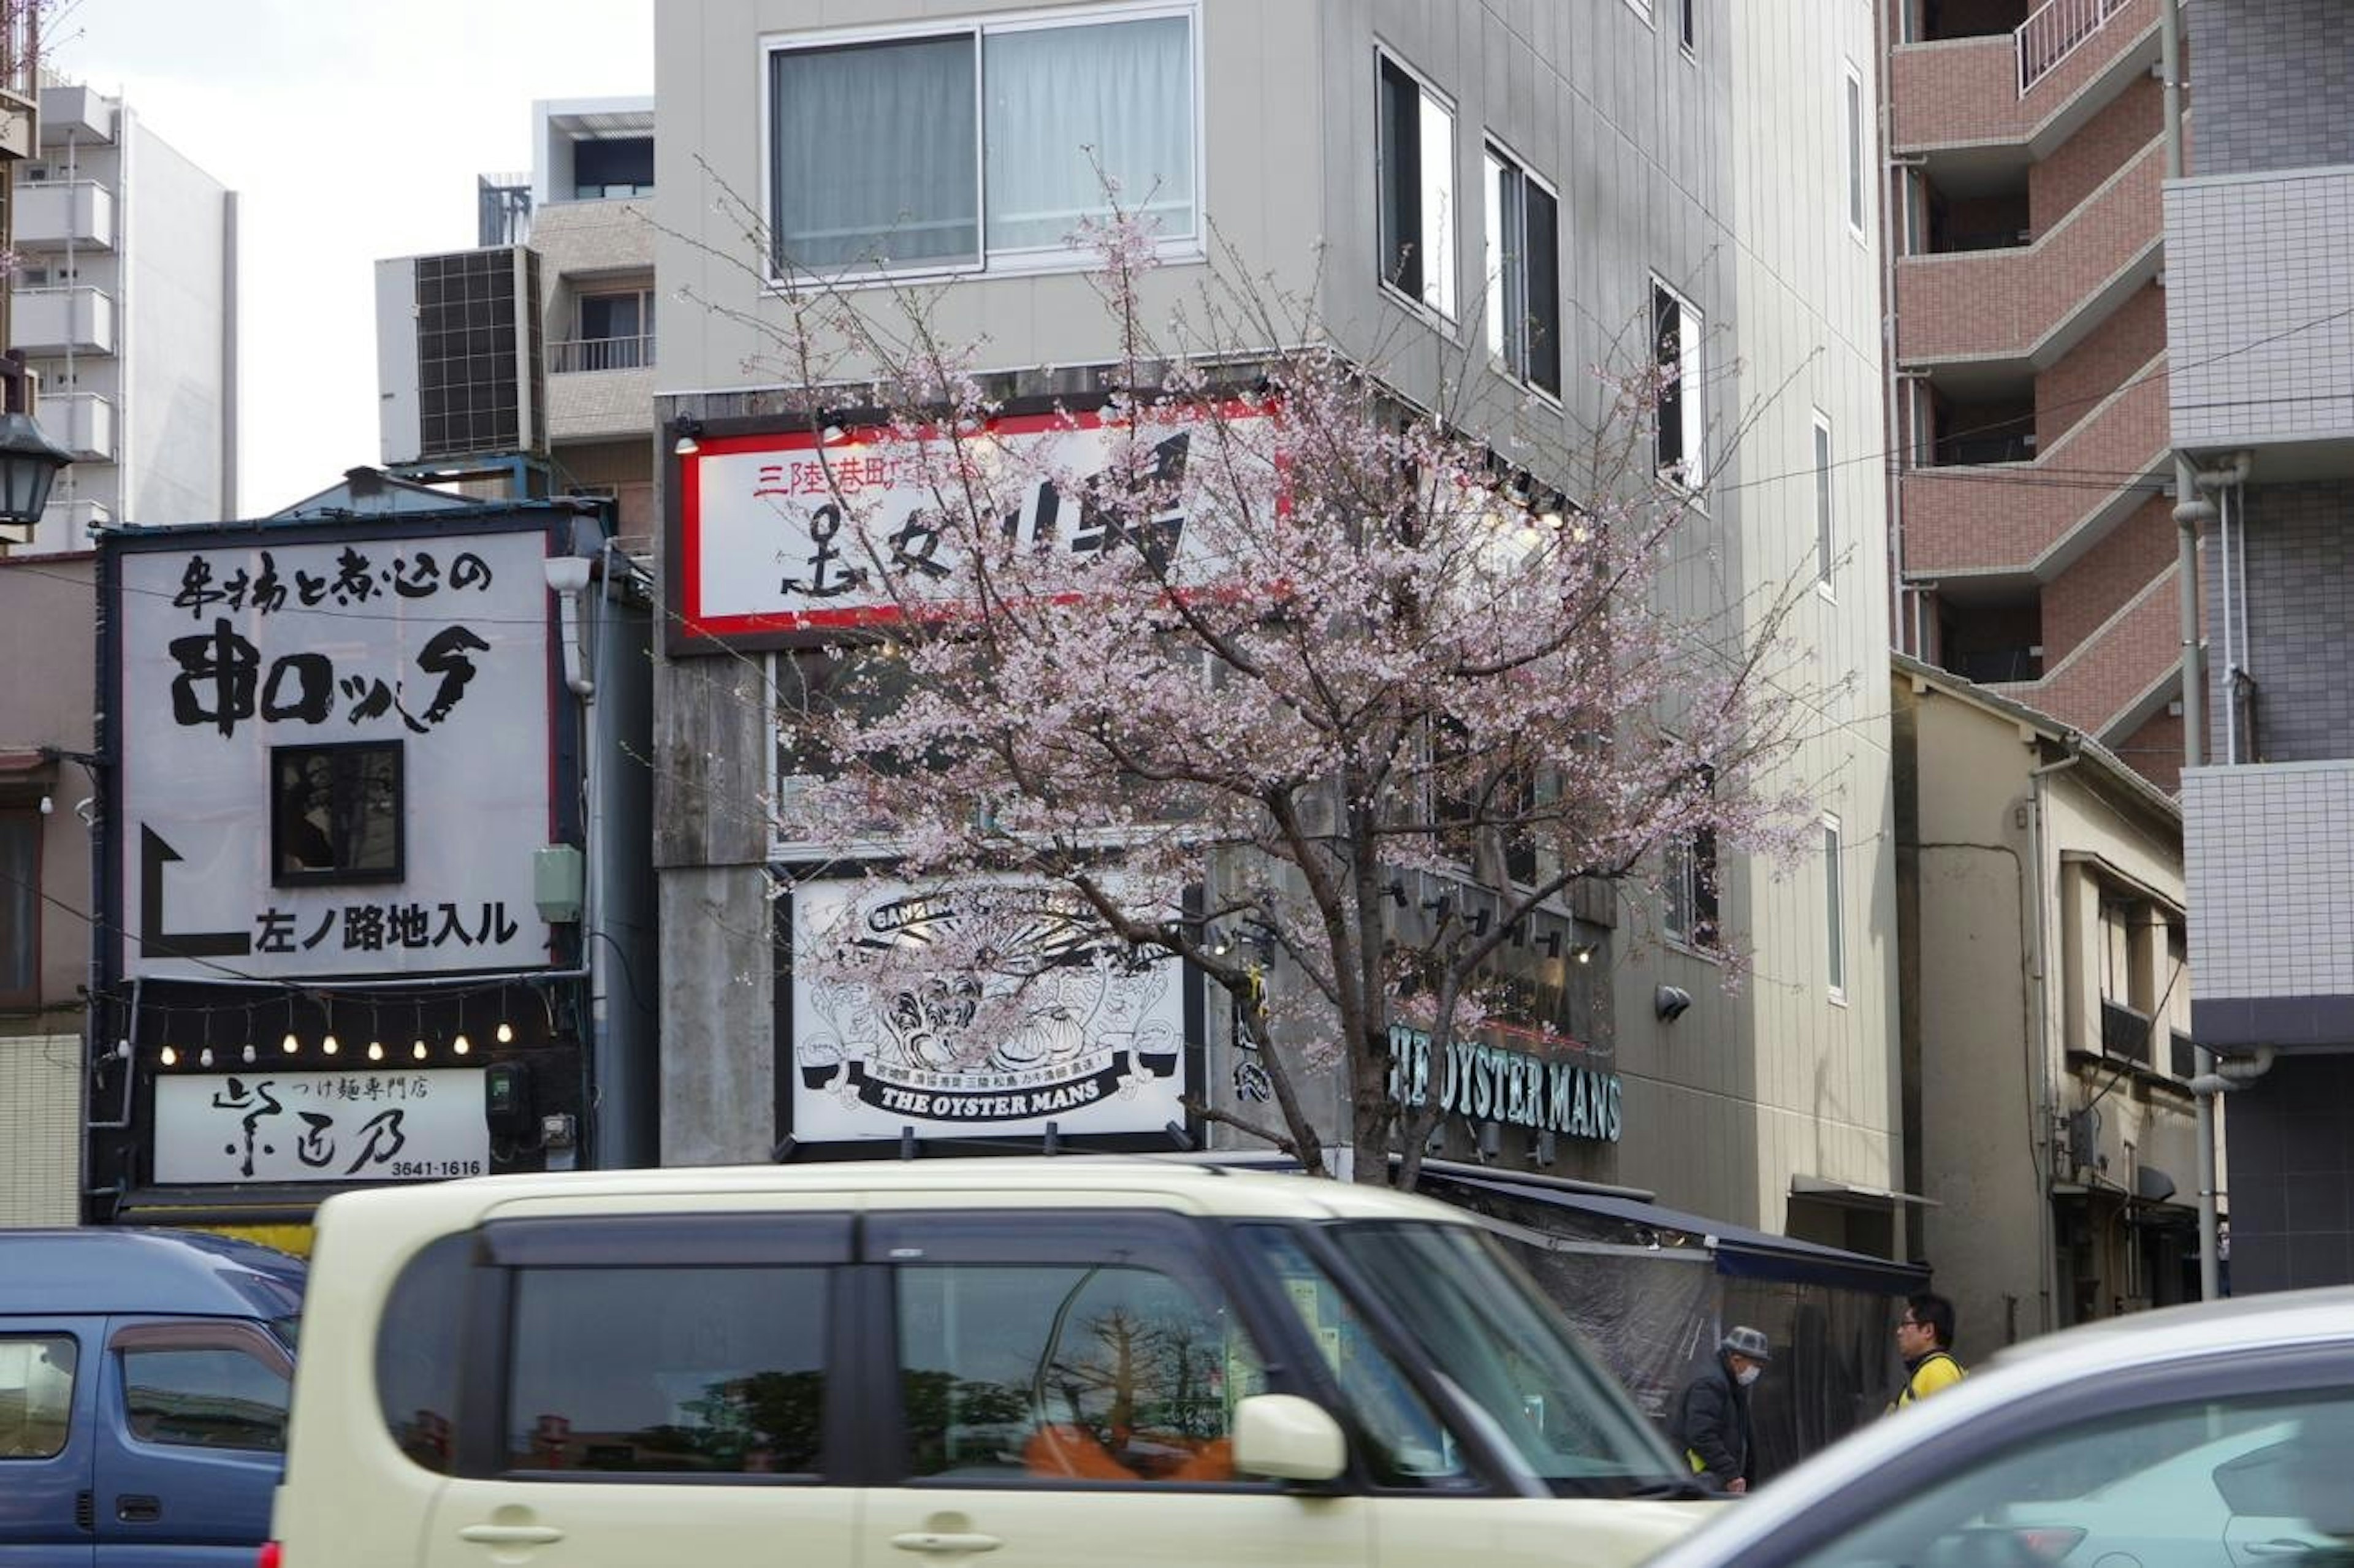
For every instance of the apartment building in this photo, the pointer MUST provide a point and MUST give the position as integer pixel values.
(125, 302)
(2030, 513)
(2260, 323)
(1629, 136)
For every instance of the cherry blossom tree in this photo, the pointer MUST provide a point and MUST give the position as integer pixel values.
(1227, 653)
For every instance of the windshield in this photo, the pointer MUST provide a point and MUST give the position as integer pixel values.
(1492, 1334)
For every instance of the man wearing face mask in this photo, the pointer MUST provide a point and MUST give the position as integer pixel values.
(1712, 1421)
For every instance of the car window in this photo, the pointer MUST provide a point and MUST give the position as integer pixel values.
(1403, 1442)
(208, 1397)
(2238, 1482)
(37, 1382)
(1486, 1327)
(1066, 1372)
(678, 1370)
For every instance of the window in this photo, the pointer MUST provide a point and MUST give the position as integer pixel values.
(1687, 23)
(335, 813)
(1676, 332)
(1523, 274)
(1834, 910)
(37, 1382)
(1825, 547)
(1691, 889)
(2244, 1478)
(20, 905)
(611, 332)
(669, 1370)
(605, 167)
(960, 149)
(1403, 1441)
(1063, 1372)
(1854, 150)
(1416, 142)
(208, 1397)
(420, 1355)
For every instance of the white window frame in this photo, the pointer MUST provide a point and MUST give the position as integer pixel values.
(1689, 469)
(1825, 464)
(1641, 8)
(1834, 911)
(1002, 263)
(1688, 28)
(1855, 117)
(1441, 264)
(1496, 155)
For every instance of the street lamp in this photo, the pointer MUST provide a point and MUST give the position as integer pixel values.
(29, 460)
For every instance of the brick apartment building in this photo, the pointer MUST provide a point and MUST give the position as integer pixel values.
(2032, 528)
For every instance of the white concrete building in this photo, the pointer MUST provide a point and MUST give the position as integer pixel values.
(126, 304)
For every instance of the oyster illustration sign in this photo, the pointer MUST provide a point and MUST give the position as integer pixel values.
(1016, 1014)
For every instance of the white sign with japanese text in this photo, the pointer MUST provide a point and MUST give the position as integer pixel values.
(1097, 1045)
(336, 757)
(767, 548)
(320, 1126)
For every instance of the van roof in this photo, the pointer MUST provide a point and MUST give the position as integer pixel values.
(121, 1268)
(1084, 1179)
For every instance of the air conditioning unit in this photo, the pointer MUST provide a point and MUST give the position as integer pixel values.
(460, 370)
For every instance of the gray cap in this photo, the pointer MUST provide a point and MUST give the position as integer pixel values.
(1746, 1341)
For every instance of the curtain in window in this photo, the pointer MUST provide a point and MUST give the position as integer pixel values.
(1123, 89)
(20, 909)
(874, 153)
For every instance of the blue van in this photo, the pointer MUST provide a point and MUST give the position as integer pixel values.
(144, 1378)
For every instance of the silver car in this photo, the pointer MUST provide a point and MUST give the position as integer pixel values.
(2216, 1437)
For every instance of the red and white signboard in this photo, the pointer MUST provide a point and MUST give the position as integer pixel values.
(781, 537)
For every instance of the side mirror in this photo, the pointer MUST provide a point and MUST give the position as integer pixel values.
(1289, 1438)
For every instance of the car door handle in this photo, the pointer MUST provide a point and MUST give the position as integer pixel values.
(2282, 1547)
(510, 1534)
(138, 1510)
(945, 1543)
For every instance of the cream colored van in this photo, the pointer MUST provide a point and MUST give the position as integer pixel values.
(1037, 1363)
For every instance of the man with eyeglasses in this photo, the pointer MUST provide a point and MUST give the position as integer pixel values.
(1924, 1337)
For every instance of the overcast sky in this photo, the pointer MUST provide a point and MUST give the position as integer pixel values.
(350, 130)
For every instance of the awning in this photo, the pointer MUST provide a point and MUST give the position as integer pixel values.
(1836, 1191)
(1738, 1250)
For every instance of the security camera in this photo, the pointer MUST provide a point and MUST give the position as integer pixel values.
(1669, 1002)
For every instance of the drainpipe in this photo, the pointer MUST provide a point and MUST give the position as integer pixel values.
(2232, 1073)
(2046, 1077)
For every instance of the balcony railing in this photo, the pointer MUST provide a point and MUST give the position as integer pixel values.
(2053, 33)
(601, 354)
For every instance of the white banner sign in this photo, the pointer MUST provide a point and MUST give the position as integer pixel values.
(336, 757)
(320, 1126)
(767, 548)
(1097, 1045)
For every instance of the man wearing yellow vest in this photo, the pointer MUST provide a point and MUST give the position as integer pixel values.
(1924, 1337)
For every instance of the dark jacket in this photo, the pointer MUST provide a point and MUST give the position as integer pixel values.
(1712, 1427)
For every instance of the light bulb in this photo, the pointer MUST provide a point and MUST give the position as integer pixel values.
(330, 1046)
(204, 1057)
(248, 1053)
(376, 1050)
(417, 1050)
(462, 1046)
(506, 1032)
(171, 1058)
(289, 1044)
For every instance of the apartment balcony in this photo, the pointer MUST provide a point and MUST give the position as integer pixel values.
(67, 524)
(2035, 519)
(575, 355)
(2269, 848)
(2022, 308)
(2260, 318)
(77, 320)
(2115, 678)
(81, 422)
(72, 112)
(600, 388)
(64, 215)
(2007, 99)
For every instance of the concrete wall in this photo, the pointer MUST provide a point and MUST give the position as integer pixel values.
(177, 312)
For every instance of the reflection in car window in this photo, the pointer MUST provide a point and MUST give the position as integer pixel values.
(675, 1369)
(1492, 1333)
(1069, 1373)
(204, 1399)
(1405, 1444)
(37, 1376)
(2257, 1479)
